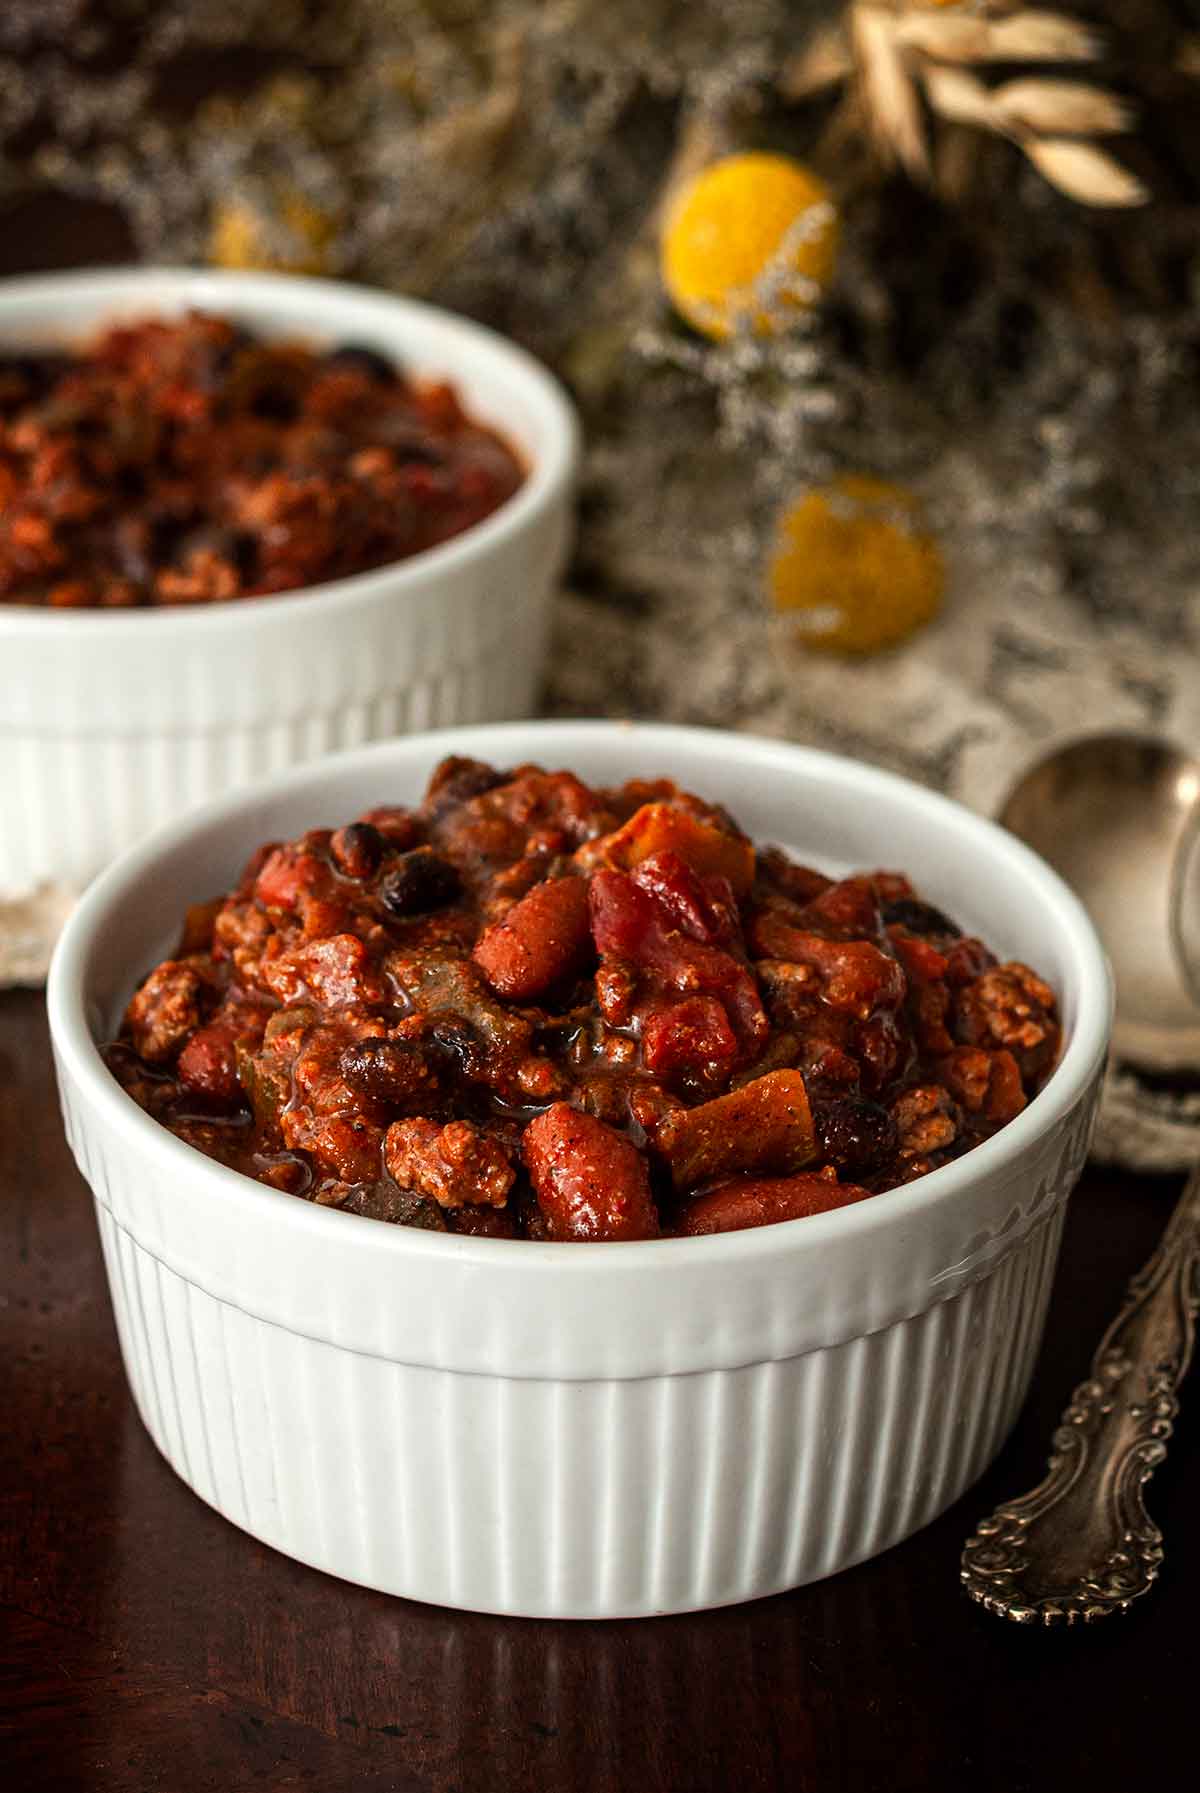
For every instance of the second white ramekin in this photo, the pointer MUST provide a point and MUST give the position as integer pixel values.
(113, 722)
(583, 1430)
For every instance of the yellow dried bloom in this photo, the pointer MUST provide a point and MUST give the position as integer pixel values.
(752, 236)
(296, 240)
(855, 568)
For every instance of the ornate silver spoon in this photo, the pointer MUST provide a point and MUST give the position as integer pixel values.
(1119, 817)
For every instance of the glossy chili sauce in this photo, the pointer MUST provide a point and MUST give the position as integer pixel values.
(533, 1009)
(188, 463)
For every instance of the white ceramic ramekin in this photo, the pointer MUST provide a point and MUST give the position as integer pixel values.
(583, 1430)
(112, 722)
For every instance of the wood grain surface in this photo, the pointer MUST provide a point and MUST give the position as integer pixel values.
(145, 1643)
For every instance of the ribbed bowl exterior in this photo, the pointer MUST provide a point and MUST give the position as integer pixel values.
(111, 723)
(83, 778)
(578, 1499)
(582, 1498)
(582, 1430)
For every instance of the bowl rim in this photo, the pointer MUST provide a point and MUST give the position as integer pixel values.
(548, 476)
(1067, 1086)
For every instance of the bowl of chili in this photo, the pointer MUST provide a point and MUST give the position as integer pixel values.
(248, 519)
(557, 1423)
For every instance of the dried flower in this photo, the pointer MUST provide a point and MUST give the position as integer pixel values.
(748, 242)
(855, 569)
(290, 235)
(898, 57)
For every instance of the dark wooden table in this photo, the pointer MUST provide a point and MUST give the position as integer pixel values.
(146, 1643)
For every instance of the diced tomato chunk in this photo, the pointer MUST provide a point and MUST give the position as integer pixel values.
(666, 827)
(694, 1033)
(919, 958)
(856, 976)
(630, 925)
(289, 874)
(765, 1125)
(703, 907)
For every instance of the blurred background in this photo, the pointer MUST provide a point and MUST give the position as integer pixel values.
(883, 317)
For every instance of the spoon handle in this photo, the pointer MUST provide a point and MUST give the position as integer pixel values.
(1081, 1544)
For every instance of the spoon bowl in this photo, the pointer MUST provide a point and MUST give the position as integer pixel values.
(1111, 813)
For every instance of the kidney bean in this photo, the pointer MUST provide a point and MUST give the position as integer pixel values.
(457, 779)
(208, 1063)
(357, 358)
(398, 826)
(590, 1181)
(763, 1201)
(539, 942)
(966, 960)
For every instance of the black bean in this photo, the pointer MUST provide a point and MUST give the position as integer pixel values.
(417, 882)
(399, 1207)
(236, 546)
(857, 1135)
(132, 549)
(387, 1071)
(165, 530)
(456, 779)
(459, 1044)
(919, 918)
(356, 357)
(275, 404)
(357, 849)
(217, 356)
(131, 483)
(404, 439)
(24, 377)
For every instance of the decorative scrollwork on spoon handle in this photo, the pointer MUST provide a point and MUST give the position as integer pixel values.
(1082, 1544)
